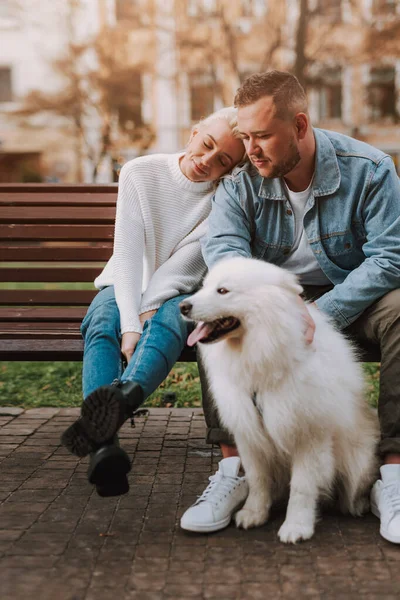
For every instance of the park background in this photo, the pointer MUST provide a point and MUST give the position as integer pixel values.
(86, 85)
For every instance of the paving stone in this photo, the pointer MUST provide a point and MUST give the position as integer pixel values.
(58, 538)
(11, 410)
(44, 411)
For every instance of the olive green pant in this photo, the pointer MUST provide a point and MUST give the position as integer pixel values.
(377, 331)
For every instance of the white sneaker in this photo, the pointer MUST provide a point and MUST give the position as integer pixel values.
(385, 502)
(215, 507)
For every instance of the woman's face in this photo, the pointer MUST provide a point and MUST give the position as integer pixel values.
(212, 151)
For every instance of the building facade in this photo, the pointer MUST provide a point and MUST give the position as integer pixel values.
(153, 68)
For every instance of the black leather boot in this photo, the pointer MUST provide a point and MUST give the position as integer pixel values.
(103, 412)
(108, 469)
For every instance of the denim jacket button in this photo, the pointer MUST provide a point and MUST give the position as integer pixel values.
(347, 245)
(289, 212)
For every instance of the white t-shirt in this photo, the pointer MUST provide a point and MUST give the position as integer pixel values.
(301, 259)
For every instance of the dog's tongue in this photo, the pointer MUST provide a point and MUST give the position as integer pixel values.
(202, 330)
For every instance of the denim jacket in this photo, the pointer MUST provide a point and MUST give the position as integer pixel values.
(352, 221)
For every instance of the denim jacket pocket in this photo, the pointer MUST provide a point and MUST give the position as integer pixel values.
(264, 250)
(344, 249)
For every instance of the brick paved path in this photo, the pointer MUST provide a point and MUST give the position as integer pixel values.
(60, 541)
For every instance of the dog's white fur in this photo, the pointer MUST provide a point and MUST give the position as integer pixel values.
(309, 424)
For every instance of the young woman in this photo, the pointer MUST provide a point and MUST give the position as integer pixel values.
(163, 202)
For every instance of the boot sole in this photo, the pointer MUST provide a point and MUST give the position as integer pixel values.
(98, 423)
(102, 413)
(76, 440)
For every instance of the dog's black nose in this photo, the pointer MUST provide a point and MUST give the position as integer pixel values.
(185, 307)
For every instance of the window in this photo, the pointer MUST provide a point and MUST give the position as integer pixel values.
(201, 96)
(197, 8)
(5, 85)
(130, 111)
(328, 88)
(382, 93)
(253, 8)
(384, 7)
(331, 9)
(126, 10)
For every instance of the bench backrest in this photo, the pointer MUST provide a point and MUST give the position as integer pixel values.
(52, 236)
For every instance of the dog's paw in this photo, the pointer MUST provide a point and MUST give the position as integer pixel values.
(290, 533)
(246, 518)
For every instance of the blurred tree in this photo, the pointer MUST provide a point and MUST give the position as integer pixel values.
(216, 44)
(221, 42)
(382, 48)
(383, 37)
(100, 94)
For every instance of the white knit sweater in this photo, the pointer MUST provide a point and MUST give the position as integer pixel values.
(159, 220)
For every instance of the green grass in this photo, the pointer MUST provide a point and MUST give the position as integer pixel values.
(35, 384)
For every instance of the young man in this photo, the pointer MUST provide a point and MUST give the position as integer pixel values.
(326, 207)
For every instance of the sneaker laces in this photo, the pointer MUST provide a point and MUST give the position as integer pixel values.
(220, 485)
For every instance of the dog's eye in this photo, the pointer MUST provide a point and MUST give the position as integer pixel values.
(222, 291)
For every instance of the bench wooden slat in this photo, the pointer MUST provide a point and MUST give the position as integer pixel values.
(33, 349)
(75, 233)
(43, 334)
(39, 314)
(59, 188)
(46, 253)
(47, 297)
(28, 328)
(52, 275)
(57, 198)
(57, 214)
(55, 349)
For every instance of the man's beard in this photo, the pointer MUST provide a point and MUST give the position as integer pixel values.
(287, 164)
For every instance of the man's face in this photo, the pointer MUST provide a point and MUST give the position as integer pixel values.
(271, 143)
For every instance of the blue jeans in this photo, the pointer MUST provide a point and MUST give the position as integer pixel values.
(163, 338)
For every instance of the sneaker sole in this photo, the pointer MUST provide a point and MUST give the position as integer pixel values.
(394, 539)
(198, 528)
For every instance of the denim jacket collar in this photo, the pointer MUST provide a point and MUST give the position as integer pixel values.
(326, 178)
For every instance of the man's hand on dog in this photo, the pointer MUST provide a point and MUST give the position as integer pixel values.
(309, 322)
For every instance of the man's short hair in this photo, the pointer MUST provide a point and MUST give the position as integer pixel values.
(285, 89)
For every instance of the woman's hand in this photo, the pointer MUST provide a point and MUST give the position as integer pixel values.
(130, 339)
(128, 344)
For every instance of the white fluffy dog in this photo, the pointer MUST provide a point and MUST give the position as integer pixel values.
(296, 410)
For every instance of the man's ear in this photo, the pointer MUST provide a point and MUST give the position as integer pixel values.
(301, 124)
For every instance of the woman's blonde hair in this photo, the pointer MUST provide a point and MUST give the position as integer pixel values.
(229, 113)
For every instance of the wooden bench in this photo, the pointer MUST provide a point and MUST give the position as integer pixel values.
(54, 235)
